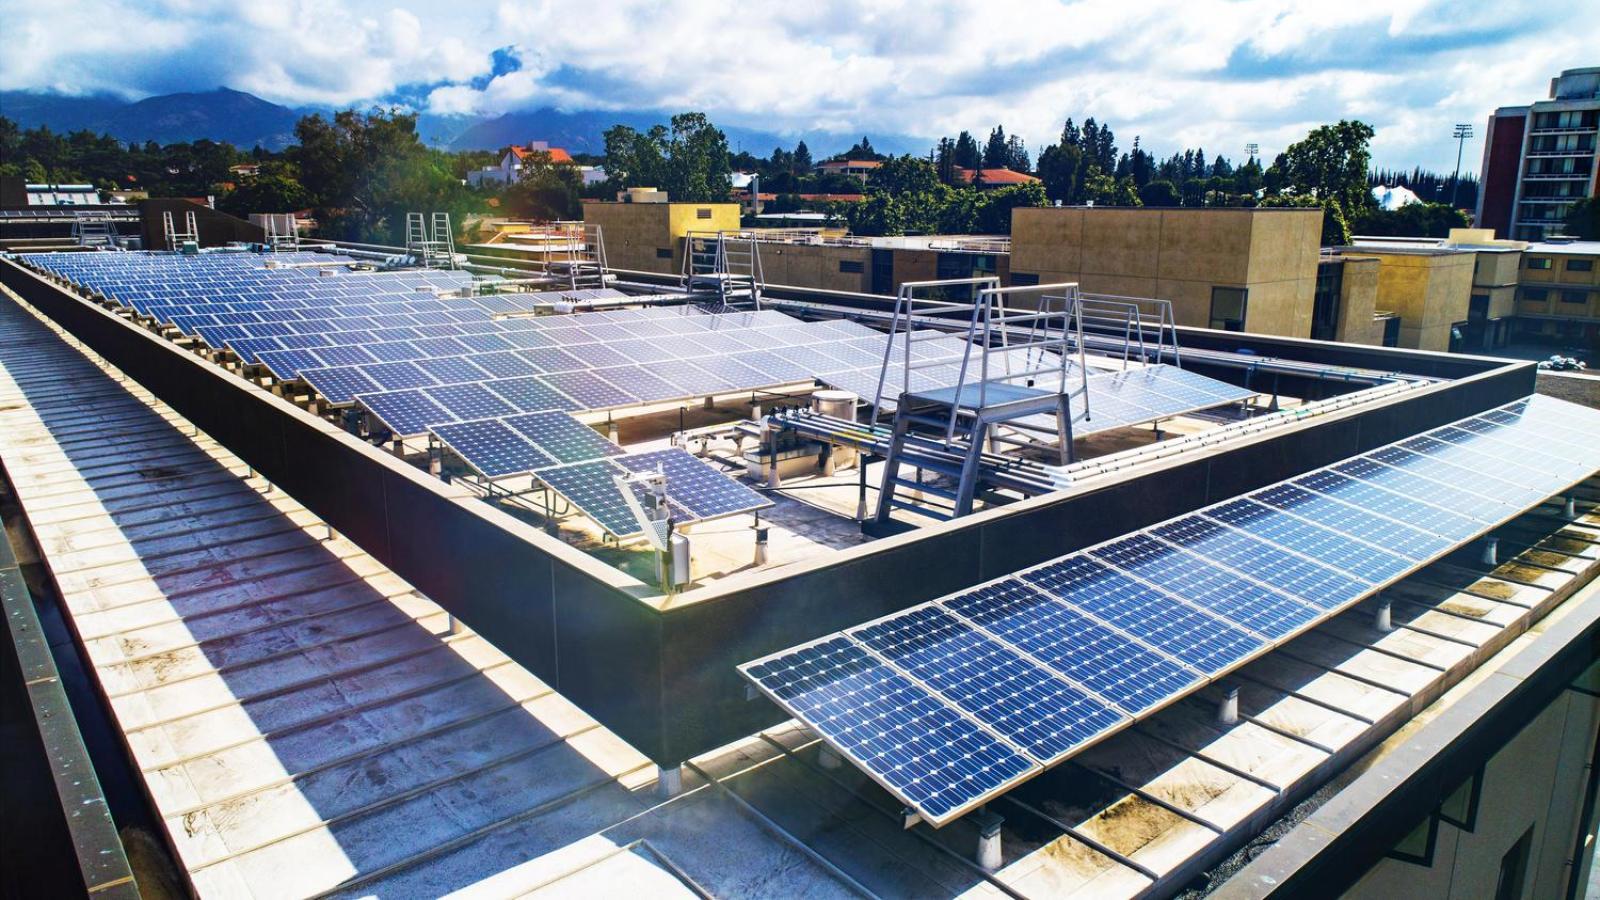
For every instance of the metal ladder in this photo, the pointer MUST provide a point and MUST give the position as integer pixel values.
(723, 268)
(585, 255)
(431, 251)
(175, 238)
(282, 235)
(93, 230)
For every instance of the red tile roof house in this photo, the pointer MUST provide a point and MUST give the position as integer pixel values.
(993, 178)
(511, 162)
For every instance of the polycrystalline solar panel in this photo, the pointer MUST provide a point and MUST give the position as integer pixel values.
(1209, 587)
(1448, 524)
(592, 488)
(1188, 635)
(530, 394)
(1486, 437)
(1508, 470)
(1308, 581)
(247, 348)
(339, 384)
(486, 343)
(407, 413)
(469, 401)
(1039, 712)
(492, 448)
(699, 489)
(1365, 562)
(1113, 665)
(528, 339)
(1412, 543)
(452, 369)
(920, 749)
(563, 438)
(812, 361)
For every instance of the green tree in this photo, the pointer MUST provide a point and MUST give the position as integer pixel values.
(545, 191)
(802, 159)
(1583, 219)
(996, 153)
(1411, 220)
(1330, 164)
(276, 189)
(1159, 192)
(1109, 190)
(689, 161)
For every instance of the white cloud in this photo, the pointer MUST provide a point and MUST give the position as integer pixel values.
(1214, 73)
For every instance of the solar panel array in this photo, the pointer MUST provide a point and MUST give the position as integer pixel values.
(948, 703)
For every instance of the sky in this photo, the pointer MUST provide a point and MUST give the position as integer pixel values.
(1217, 74)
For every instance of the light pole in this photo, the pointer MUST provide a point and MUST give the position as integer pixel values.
(1252, 149)
(1462, 132)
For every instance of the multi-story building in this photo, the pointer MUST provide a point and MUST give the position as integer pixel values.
(1540, 159)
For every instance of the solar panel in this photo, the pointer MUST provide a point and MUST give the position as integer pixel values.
(492, 448)
(395, 376)
(451, 369)
(469, 401)
(530, 394)
(912, 742)
(591, 391)
(693, 485)
(1034, 709)
(504, 365)
(639, 383)
(339, 385)
(592, 488)
(1138, 621)
(407, 413)
(563, 438)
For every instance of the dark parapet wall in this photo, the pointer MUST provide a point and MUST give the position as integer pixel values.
(216, 228)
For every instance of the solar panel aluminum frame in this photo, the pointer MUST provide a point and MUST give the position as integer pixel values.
(1268, 645)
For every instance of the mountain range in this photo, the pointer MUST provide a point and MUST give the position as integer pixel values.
(246, 120)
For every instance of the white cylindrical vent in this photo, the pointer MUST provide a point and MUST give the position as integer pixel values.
(837, 404)
(679, 550)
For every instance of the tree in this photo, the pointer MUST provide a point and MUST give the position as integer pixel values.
(967, 154)
(1330, 164)
(276, 189)
(1583, 219)
(1159, 192)
(545, 191)
(1017, 159)
(1108, 190)
(944, 160)
(996, 153)
(802, 159)
(863, 151)
(1410, 220)
(1061, 170)
(689, 161)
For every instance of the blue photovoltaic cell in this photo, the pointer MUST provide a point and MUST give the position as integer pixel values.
(1207, 586)
(452, 369)
(395, 351)
(598, 356)
(469, 401)
(407, 413)
(592, 488)
(562, 437)
(395, 376)
(1412, 543)
(340, 384)
(1417, 488)
(691, 380)
(1043, 714)
(491, 448)
(1307, 581)
(695, 486)
(1188, 635)
(552, 359)
(589, 389)
(530, 394)
(504, 365)
(1328, 547)
(639, 383)
(644, 351)
(287, 364)
(1448, 524)
(342, 356)
(1109, 663)
(1445, 472)
(924, 752)
(734, 372)
(486, 343)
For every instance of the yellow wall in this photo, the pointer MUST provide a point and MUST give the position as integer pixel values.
(635, 233)
(1179, 255)
(1429, 291)
(1358, 299)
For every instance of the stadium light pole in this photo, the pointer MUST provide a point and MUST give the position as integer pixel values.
(1462, 132)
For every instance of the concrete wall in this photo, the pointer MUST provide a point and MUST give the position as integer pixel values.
(636, 234)
(1536, 781)
(1358, 301)
(1429, 292)
(1180, 255)
(817, 266)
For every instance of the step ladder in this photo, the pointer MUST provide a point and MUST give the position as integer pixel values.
(1022, 357)
(722, 270)
(94, 230)
(581, 259)
(281, 234)
(431, 243)
(177, 240)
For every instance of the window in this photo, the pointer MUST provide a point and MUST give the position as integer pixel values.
(663, 253)
(1536, 262)
(1536, 295)
(851, 265)
(1024, 279)
(1514, 868)
(1580, 265)
(1418, 845)
(1574, 296)
(1461, 807)
(702, 214)
(1227, 308)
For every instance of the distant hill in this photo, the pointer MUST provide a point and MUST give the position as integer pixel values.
(246, 120)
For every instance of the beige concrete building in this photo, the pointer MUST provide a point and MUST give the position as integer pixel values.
(648, 236)
(1558, 292)
(1345, 307)
(1234, 269)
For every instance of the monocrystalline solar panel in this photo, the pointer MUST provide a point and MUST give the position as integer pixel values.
(530, 394)
(916, 745)
(339, 385)
(563, 438)
(469, 401)
(592, 488)
(591, 391)
(1367, 563)
(696, 487)
(407, 413)
(492, 448)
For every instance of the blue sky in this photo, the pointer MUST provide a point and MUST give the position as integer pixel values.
(1210, 73)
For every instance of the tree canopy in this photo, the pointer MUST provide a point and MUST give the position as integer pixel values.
(689, 160)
